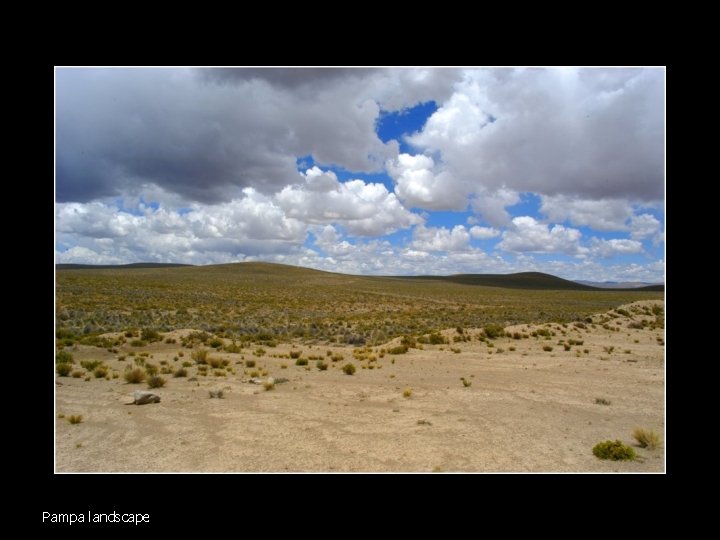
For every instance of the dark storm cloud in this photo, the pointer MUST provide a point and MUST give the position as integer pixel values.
(120, 129)
(290, 78)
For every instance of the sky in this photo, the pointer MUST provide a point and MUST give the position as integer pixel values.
(377, 171)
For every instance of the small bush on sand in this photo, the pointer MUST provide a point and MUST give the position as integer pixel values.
(493, 331)
(301, 362)
(547, 348)
(200, 356)
(465, 382)
(90, 365)
(100, 372)
(295, 354)
(182, 372)
(401, 349)
(646, 438)
(64, 357)
(63, 369)
(156, 382)
(135, 376)
(602, 401)
(407, 392)
(614, 450)
(269, 385)
(216, 394)
(348, 369)
(75, 418)
(249, 363)
(322, 366)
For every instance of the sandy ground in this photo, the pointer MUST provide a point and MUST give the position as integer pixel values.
(526, 410)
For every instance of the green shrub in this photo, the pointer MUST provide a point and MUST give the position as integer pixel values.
(401, 349)
(646, 438)
(135, 376)
(348, 369)
(182, 372)
(100, 372)
(337, 358)
(493, 331)
(64, 357)
(322, 366)
(547, 348)
(301, 362)
(156, 382)
(295, 354)
(215, 343)
(90, 365)
(137, 343)
(200, 356)
(436, 339)
(407, 392)
(63, 369)
(614, 450)
(465, 382)
(149, 335)
(75, 418)
(249, 363)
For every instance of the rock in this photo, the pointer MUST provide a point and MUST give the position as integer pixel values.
(142, 397)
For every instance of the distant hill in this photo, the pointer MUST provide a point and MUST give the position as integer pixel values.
(118, 266)
(263, 270)
(522, 280)
(619, 284)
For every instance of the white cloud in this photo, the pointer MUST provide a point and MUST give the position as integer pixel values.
(590, 133)
(364, 209)
(483, 233)
(418, 184)
(614, 247)
(440, 238)
(493, 206)
(643, 226)
(601, 215)
(529, 235)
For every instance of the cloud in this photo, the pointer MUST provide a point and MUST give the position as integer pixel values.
(614, 247)
(601, 215)
(643, 226)
(529, 235)
(493, 206)
(364, 209)
(419, 185)
(121, 128)
(483, 233)
(440, 238)
(588, 133)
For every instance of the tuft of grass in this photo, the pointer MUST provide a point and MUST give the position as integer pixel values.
(64, 357)
(407, 393)
(465, 382)
(200, 356)
(249, 363)
(646, 438)
(182, 372)
(401, 349)
(348, 369)
(322, 366)
(219, 394)
(135, 376)
(63, 369)
(100, 372)
(156, 382)
(602, 401)
(301, 362)
(547, 348)
(613, 450)
(90, 365)
(295, 354)
(75, 418)
(77, 374)
(268, 385)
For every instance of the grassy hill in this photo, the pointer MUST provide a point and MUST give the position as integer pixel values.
(286, 302)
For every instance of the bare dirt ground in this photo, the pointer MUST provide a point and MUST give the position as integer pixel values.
(526, 409)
